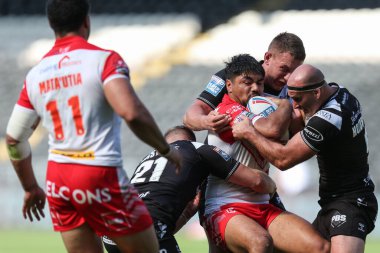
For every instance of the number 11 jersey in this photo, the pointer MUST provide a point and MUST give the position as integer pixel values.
(65, 89)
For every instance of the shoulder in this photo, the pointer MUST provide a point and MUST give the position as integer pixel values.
(221, 74)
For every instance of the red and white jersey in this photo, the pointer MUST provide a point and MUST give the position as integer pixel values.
(66, 90)
(220, 192)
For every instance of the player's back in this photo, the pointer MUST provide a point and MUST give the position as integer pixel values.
(165, 192)
(66, 90)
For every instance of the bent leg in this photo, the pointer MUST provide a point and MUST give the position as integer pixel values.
(243, 234)
(292, 233)
(82, 240)
(141, 242)
(347, 244)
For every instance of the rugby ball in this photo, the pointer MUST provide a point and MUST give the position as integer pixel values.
(261, 106)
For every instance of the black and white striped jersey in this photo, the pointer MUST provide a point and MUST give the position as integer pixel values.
(337, 133)
(166, 193)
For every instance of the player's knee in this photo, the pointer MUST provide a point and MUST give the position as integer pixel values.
(263, 243)
(321, 246)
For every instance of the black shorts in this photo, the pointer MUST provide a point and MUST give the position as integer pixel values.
(169, 245)
(276, 201)
(347, 216)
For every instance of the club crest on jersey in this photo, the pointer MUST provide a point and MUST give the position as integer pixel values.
(361, 227)
(222, 153)
(313, 133)
(160, 229)
(338, 219)
(215, 86)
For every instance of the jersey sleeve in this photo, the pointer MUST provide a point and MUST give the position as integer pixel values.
(218, 162)
(321, 129)
(114, 67)
(23, 99)
(236, 111)
(214, 90)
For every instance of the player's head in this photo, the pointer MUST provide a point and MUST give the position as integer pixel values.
(305, 87)
(244, 78)
(67, 16)
(285, 53)
(178, 133)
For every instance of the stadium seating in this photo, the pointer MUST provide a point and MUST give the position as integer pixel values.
(188, 66)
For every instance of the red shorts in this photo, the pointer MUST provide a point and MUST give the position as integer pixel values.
(216, 223)
(98, 195)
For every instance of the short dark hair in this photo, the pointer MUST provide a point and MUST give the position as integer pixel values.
(288, 42)
(66, 15)
(243, 64)
(181, 129)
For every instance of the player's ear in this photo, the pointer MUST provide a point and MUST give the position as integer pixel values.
(317, 93)
(229, 85)
(267, 56)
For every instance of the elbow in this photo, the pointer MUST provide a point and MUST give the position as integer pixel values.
(282, 164)
(135, 115)
(10, 141)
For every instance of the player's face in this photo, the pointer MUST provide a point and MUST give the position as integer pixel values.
(278, 67)
(304, 101)
(245, 86)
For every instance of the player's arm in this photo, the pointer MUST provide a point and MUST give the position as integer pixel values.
(222, 165)
(282, 156)
(298, 122)
(123, 99)
(200, 116)
(277, 123)
(20, 127)
(255, 179)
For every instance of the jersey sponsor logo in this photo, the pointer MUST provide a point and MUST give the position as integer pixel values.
(356, 114)
(75, 155)
(215, 86)
(65, 62)
(313, 133)
(358, 127)
(338, 219)
(332, 118)
(144, 194)
(80, 196)
(122, 68)
(60, 82)
(223, 154)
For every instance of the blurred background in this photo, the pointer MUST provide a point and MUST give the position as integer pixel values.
(173, 47)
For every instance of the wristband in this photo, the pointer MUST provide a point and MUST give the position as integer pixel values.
(19, 151)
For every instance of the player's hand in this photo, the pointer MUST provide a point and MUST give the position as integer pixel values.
(175, 157)
(298, 121)
(239, 129)
(275, 100)
(217, 122)
(34, 203)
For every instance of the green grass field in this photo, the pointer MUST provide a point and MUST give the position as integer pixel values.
(50, 242)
